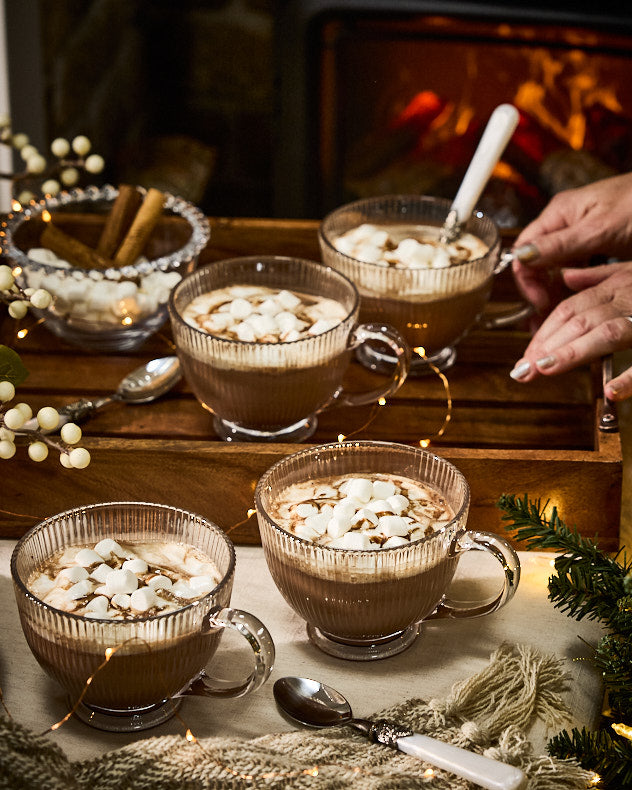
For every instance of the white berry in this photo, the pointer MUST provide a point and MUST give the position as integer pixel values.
(51, 187)
(69, 176)
(7, 449)
(25, 197)
(38, 451)
(25, 410)
(48, 418)
(60, 147)
(6, 277)
(18, 309)
(41, 299)
(81, 145)
(71, 433)
(64, 460)
(7, 391)
(94, 163)
(36, 163)
(79, 458)
(27, 151)
(19, 140)
(13, 419)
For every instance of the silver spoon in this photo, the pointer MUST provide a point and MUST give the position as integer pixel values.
(317, 705)
(142, 385)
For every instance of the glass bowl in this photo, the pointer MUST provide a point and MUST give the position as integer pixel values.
(110, 309)
(433, 308)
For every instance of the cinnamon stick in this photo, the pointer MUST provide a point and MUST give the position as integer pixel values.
(119, 220)
(144, 222)
(71, 249)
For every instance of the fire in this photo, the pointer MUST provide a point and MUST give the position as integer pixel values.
(565, 81)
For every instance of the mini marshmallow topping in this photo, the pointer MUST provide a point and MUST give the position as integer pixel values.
(120, 581)
(370, 512)
(258, 314)
(408, 247)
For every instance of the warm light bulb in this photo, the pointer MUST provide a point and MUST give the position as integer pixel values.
(46, 216)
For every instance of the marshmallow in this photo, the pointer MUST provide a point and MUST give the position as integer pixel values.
(202, 584)
(143, 599)
(88, 557)
(121, 581)
(240, 308)
(108, 547)
(360, 489)
(306, 509)
(121, 601)
(383, 489)
(80, 590)
(391, 526)
(160, 582)
(75, 573)
(135, 565)
(101, 572)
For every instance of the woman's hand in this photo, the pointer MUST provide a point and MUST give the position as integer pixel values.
(577, 224)
(590, 324)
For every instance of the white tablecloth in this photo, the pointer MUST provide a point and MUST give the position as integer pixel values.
(445, 652)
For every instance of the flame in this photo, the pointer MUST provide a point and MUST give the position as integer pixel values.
(46, 215)
(568, 83)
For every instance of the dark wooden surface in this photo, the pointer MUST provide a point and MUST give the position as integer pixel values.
(540, 439)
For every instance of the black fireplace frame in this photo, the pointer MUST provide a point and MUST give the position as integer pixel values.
(295, 163)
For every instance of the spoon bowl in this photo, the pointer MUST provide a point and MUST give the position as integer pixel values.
(143, 385)
(318, 705)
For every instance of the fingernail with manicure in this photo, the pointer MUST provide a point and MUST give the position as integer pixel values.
(520, 371)
(546, 362)
(527, 253)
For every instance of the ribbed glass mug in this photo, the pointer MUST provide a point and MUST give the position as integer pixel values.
(432, 308)
(368, 604)
(273, 392)
(153, 661)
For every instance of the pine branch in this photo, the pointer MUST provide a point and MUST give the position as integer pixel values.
(588, 583)
(608, 756)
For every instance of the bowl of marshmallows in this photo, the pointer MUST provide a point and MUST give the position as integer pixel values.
(108, 256)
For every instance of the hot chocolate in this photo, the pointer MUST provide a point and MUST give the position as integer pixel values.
(119, 581)
(433, 309)
(363, 514)
(265, 342)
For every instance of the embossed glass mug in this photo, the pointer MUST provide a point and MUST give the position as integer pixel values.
(433, 308)
(152, 661)
(370, 604)
(273, 392)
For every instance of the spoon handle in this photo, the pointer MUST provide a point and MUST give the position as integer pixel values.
(498, 131)
(483, 771)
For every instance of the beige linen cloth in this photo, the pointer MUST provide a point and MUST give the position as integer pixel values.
(488, 713)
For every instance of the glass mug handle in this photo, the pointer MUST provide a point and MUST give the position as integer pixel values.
(513, 316)
(384, 334)
(504, 552)
(259, 639)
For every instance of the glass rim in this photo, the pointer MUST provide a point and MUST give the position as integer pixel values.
(42, 525)
(368, 443)
(363, 202)
(175, 314)
(176, 206)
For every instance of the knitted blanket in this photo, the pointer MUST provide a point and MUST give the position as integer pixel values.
(488, 713)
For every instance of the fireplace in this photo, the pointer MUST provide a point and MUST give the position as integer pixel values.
(378, 97)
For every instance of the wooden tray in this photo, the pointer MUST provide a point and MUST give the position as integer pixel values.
(541, 439)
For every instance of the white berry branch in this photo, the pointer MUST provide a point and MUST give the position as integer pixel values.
(71, 158)
(15, 421)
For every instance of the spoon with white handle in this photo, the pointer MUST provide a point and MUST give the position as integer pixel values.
(317, 705)
(500, 127)
(143, 385)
